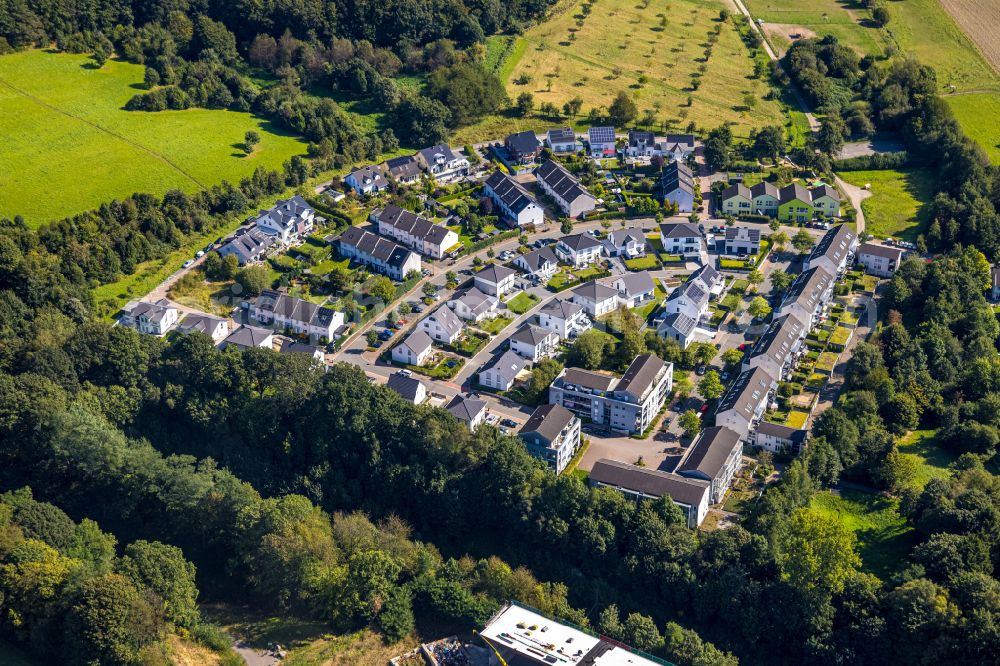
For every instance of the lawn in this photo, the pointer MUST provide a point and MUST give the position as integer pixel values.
(468, 345)
(840, 336)
(808, 18)
(826, 362)
(898, 205)
(75, 147)
(212, 297)
(522, 303)
(796, 419)
(494, 325)
(932, 460)
(977, 114)
(645, 263)
(446, 368)
(621, 45)
(884, 538)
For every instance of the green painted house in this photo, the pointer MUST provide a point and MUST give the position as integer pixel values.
(795, 204)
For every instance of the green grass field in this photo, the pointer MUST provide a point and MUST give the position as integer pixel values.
(932, 460)
(622, 46)
(783, 19)
(884, 538)
(977, 114)
(69, 146)
(897, 205)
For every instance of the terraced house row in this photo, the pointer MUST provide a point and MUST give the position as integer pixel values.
(792, 203)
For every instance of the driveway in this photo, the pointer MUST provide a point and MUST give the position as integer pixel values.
(856, 196)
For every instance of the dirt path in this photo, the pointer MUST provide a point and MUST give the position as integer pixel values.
(856, 195)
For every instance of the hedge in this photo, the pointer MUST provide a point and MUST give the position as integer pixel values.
(750, 217)
(488, 242)
(873, 162)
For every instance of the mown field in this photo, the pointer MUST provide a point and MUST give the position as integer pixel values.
(652, 51)
(69, 146)
(978, 114)
(897, 205)
(786, 20)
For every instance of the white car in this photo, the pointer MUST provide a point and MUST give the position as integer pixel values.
(189, 263)
(201, 253)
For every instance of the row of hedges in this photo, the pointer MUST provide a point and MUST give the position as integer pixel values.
(606, 215)
(873, 162)
(487, 242)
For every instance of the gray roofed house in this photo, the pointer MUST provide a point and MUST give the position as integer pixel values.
(495, 279)
(580, 242)
(645, 483)
(691, 299)
(579, 249)
(794, 191)
(625, 243)
(736, 200)
(442, 325)
(825, 200)
(501, 372)
(403, 169)
(442, 163)
(468, 409)
(473, 305)
(834, 251)
(214, 327)
(572, 198)
(246, 337)
(765, 188)
(640, 375)
(678, 326)
(634, 289)
(596, 298)
(678, 146)
(589, 379)
(743, 405)
(415, 231)
(382, 254)
(739, 241)
(714, 456)
(881, 260)
(642, 144)
(779, 438)
(562, 140)
(807, 295)
(367, 180)
(407, 386)
(149, 318)
(677, 185)
(514, 201)
(281, 311)
(776, 349)
(289, 346)
(540, 264)
(249, 246)
(566, 318)
(414, 350)
(533, 342)
(679, 230)
(710, 279)
(288, 220)
(552, 434)
(683, 238)
(523, 147)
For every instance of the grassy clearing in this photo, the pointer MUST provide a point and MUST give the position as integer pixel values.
(884, 538)
(786, 19)
(623, 46)
(522, 303)
(75, 147)
(212, 297)
(897, 206)
(977, 115)
(186, 653)
(932, 460)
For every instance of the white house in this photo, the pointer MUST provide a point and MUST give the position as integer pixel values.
(404, 169)
(381, 254)
(287, 313)
(681, 238)
(689, 299)
(677, 185)
(533, 342)
(562, 140)
(740, 241)
(678, 326)
(779, 438)
(288, 221)
(248, 245)
(495, 280)
(414, 350)
(442, 325)
(501, 373)
(743, 405)
(415, 232)
(642, 144)
(407, 386)
(469, 410)
(552, 434)
(714, 456)
(710, 279)
(776, 351)
(601, 141)
(579, 250)
(513, 200)
(635, 289)
(289, 346)
(880, 260)
(642, 483)
(214, 327)
(367, 180)
(572, 198)
(565, 318)
(149, 318)
(442, 163)
(540, 265)
(595, 298)
(806, 297)
(834, 252)
(474, 305)
(246, 337)
(678, 147)
(628, 243)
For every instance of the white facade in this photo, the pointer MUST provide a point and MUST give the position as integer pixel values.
(367, 180)
(578, 255)
(150, 318)
(495, 280)
(534, 343)
(414, 350)
(442, 325)
(880, 260)
(566, 319)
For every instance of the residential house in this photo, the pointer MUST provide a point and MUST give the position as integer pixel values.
(501, 373)
(794, 204)
(825, 201)
(601, 142)
(690, 299)
(474, 305)
(627, 243)
(710, 279)
(287, 313)
(806, 297)
(404, 169)
(380, 254)
(766, 199)
(289, 346)
(714, 456)
(540, 265)
(367, 180)
(214, 327)
(565, 189)
(442, 163)
(246, 337)
(249, 246)
(635, 289)
(776, 351)
(743, 405)
(513, 200)
(881, 260)
(288, 220)
(641, 144)
(415, 232)
(834, 252)
(681, 238)
(149, 318)
(495, 280)
(579, 250)
(645, 483)
(678, 326)
(407, 386)
(442, 325)
(627, 405)
(678, 147)
(779, 438)
(595, 298)
(740, 241)
(562, 140)
(414, 350)
(565, 318)
(736, 200)
(469, 410)
(677, 186)
(523, 148)
(533, 342)
(552, 434)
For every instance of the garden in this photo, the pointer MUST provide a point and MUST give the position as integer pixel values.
(439, 366)
(523, 302)
(495, 325)
(568, 277)
(469, 344)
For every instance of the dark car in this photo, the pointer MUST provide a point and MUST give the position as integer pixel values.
(700, 370)
(416, 308)
(385, 334)
(508, 423)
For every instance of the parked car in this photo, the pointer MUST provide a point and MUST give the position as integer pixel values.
(200, 254)
(509, 423)
(385, 334)
(188, 263)
(416, 308)
(426, 272)
(700, 370)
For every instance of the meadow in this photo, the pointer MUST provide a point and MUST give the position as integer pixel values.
(896, 207)
(930, 459)
(977, 113)
(786, 20)
(69, 145)
(596, 49)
